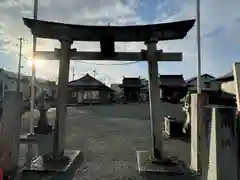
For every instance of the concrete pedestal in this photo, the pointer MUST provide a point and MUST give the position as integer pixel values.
(167, 166)
(62, 164)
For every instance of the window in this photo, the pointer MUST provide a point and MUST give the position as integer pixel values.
(74, 94)
(95, 95)
(91, 95)
(207, 84)
(87, 95)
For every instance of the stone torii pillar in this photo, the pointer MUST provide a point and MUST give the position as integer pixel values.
(154, 98)
(62, 95)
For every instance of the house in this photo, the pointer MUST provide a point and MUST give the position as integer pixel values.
(208, 82)
(172, 87)
(8, 85)
(131, 88)
(88, 90)
(227, 83)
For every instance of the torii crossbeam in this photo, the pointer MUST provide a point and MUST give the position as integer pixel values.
(107, 36)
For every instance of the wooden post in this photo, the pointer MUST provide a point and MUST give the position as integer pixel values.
(154, 99)
(61, 110)
(223, 149)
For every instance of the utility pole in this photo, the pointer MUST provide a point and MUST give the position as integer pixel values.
(198, 47)
(94, 73)
(73, 74)
(19, 67)
(35, 14)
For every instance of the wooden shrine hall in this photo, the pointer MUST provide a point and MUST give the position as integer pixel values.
(107, 36)
(131, 88)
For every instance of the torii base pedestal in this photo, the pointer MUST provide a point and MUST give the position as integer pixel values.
(71, 160)
(168, 166)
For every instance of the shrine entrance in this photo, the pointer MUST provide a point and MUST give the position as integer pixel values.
(131, 89)
(107, 36)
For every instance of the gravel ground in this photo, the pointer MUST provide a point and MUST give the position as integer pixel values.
(109, 137)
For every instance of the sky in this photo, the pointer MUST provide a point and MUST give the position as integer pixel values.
(220, 37)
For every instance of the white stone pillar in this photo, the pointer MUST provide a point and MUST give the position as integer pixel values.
(154, 99)
(223, 152)
(62, 97)
(198, 101)
(10, 133)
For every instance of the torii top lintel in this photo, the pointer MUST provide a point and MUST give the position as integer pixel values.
(136, 33)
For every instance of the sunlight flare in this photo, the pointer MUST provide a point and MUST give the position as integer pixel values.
(37, 63)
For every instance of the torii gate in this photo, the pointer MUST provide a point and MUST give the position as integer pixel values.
(107, 35)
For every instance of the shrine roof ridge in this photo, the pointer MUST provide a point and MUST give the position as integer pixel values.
(134, 33)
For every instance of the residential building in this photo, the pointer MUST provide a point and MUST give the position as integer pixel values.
(227, 83)
(8, 85)
(88, 90)
(208, 82)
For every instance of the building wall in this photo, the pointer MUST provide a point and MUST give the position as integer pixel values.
(8, 85)
(75, 93)
(228, 87)
(104, 97)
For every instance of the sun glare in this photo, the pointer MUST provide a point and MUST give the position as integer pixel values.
(38, 63)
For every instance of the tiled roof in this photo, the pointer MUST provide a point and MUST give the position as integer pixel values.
(131, 82)
(195, 77)
(171, 80)
(87, 81)
(226, 77)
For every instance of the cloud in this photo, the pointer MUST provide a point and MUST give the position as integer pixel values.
(219, 28)
(219, 24)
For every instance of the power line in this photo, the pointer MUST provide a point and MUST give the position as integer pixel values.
(102, 64)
